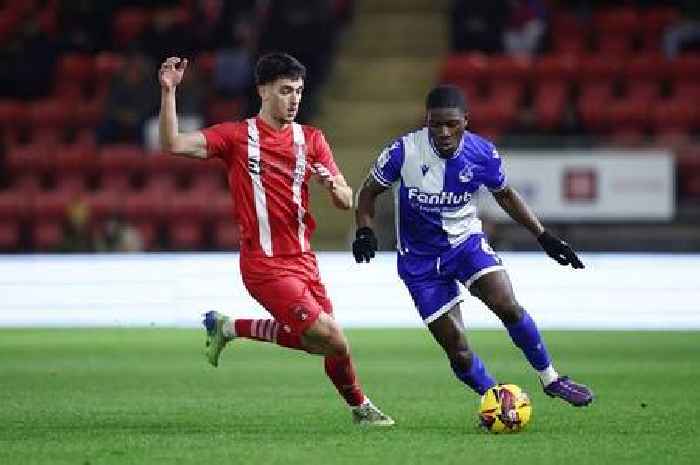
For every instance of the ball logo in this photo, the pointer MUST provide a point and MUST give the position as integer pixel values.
(466, 174)
(300, 313)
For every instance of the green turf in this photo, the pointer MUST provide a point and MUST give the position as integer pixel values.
(119, 396)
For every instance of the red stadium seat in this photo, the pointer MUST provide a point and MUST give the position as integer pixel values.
(106, 64)
(52, 205)
(118, 164)
(105, 204)
(14, 204)
(186, 234)
(559, 67)
(12, 113)
(50, 113)
(9, 234)
(685, 68)
(222, 206)
(614, 45)
(629, 114)
(221, 110)
(464, 67)
(508, 68)
(148, 204)
(32, 159)
(654, 22)
(687, 90)
(47, 235)
(549, 103)
(75, 67)
(674, 114)
(592, 105)
(210, 181)
(621, 20)
(688, 166)
(647, 91)
(129, 24)
(646, 67)
(595, 68)
(205, 63)
(227, 235)
(569, 34)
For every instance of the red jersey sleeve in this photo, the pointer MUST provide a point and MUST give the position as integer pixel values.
(219, 139)
(322, 153)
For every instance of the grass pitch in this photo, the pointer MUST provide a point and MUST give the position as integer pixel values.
(147, 396)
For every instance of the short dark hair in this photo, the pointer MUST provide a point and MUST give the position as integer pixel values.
(273, 66)
(446, 96)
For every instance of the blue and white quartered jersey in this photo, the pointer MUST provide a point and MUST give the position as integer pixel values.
(433, 195)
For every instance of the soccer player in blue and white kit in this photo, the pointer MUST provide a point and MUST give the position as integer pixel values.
(435, 171)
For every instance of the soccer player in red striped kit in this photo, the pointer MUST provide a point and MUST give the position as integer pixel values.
(270, 160)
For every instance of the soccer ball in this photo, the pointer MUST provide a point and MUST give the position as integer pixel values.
(505, 408)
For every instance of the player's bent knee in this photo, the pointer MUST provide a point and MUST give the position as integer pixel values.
(326, 334)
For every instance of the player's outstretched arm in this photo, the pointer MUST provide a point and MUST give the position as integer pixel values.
(337, 186)
(365, 244)
(513, 204)
(191, 144)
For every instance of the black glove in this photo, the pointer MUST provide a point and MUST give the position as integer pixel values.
(364, 245)
(559, 250)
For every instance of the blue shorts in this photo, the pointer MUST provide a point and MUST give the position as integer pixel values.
(432, 279)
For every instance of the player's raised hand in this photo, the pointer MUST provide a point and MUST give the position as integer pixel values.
(323, 176)
(559, 250)
(365, 245)
(171, 72)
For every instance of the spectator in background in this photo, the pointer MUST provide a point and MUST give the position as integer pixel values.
(525, 27)
(165, 35)
(76, 231)
(233, 69)
(118, 236)
(213, 21)
(685, 35)
(131, 100)
(83, 24)
(479, 26)
(27, 61)
(305, 29)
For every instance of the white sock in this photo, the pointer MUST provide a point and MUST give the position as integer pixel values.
(548, 375)
(229, 329)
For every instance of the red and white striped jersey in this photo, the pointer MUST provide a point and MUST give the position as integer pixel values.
(268, 173)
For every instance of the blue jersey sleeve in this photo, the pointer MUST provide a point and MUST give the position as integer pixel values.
(387, 168)
(495, 179)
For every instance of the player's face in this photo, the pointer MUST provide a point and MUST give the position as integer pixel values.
(281, 98)
(446, 126)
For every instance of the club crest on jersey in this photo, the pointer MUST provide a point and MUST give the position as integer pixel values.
(424, 169)
(466, 174)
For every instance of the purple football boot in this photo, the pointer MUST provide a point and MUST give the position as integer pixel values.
(576, 394)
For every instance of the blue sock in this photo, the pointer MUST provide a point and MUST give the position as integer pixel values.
(525, 335)
(477, 378)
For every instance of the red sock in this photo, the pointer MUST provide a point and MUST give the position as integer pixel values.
(267, 331)
(342, 373)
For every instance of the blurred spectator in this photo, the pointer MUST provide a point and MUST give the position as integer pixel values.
(306, 30)
(27, 62)
(478, 25)
(83, 24)
(233, 68)
(214, 20)
(76, 231)
(118, 236)
(166, 35)
(132, 99)
(686, 34)
(525, 28)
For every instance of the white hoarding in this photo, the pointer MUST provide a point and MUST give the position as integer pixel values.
(591, 186)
